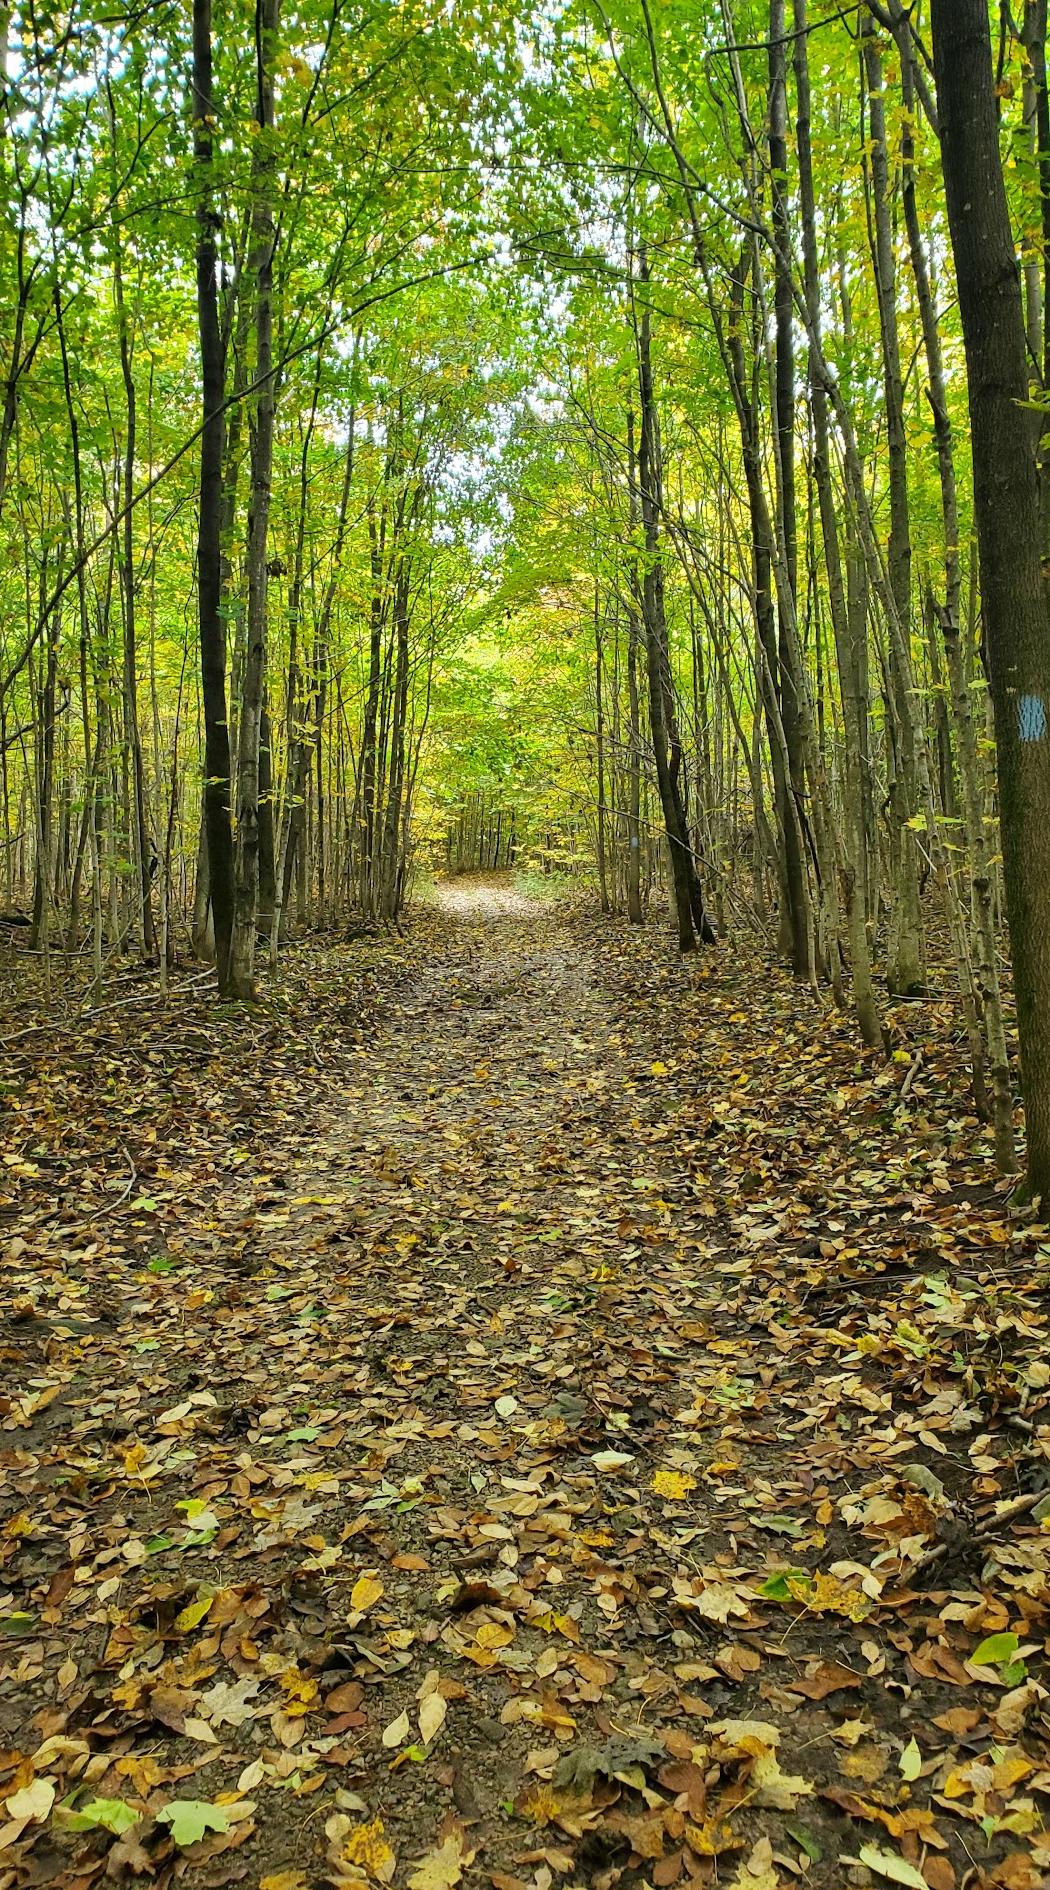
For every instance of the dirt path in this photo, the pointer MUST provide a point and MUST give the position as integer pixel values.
(431, 1497)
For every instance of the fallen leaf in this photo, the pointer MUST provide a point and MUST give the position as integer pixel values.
(32, 1804)
(432, 1712)
(366, 1591)
(897, 1869)
(398, 1730)
(439, 1869)
(189, 1818)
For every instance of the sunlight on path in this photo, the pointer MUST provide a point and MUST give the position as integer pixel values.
(483, 899)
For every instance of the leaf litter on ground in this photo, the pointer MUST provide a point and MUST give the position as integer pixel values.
(542, 1412)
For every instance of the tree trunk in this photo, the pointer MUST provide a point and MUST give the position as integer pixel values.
(246, 878)
(217, 825)
(1006, 505)
(788, 666)
(906, 972)
(661, 709)
(599, 726)
(854, 705)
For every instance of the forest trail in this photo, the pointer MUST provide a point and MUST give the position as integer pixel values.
(477, 1467)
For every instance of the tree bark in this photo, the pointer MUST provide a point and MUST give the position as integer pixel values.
(787, 667)
(691, 916)
(217, 826)
(253, 699)
(906, 972)
(1006, 505)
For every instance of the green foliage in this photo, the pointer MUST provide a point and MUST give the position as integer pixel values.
(189, 1819)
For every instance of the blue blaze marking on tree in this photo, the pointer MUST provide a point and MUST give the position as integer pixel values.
(1031, 718)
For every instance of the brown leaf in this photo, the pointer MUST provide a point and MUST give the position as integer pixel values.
(685, 1780)
(822, 1678)
(934, 1662)
(345, 1698)
(172, 1706)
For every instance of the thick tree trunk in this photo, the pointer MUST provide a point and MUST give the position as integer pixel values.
(1006, 504)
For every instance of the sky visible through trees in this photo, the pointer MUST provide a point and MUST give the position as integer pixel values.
(525, 542)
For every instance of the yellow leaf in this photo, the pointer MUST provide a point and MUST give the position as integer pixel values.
(397, 1732)
(432, 1712)
(360, 1847)
(301, 1690)
(440, 1869)
(366, 1591)
(712, 1837)
(540, 1804)
(910, 1761)
(673, 1485)
(759, 1872)
(494, 1634)
(33, 1803)
(193, 1615)
(824, 1594)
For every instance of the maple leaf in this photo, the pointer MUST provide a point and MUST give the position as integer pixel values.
(757, 1740)
(101, 1814)
(358, 1852)
(440, 1869)
(189, 1818)
(673, 1484)
(226, 1704)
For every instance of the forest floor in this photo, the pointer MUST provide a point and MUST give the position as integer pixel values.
(521, 1409)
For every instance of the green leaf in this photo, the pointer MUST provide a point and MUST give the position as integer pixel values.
(806, 1841)
(102, 1814)
(775, 1587)
(189, 1818)
(895, 1868)
(18, 1623)
(996, 1649)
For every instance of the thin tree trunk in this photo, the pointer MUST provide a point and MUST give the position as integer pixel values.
(216, 822)
(905, 973)
(246, 873)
